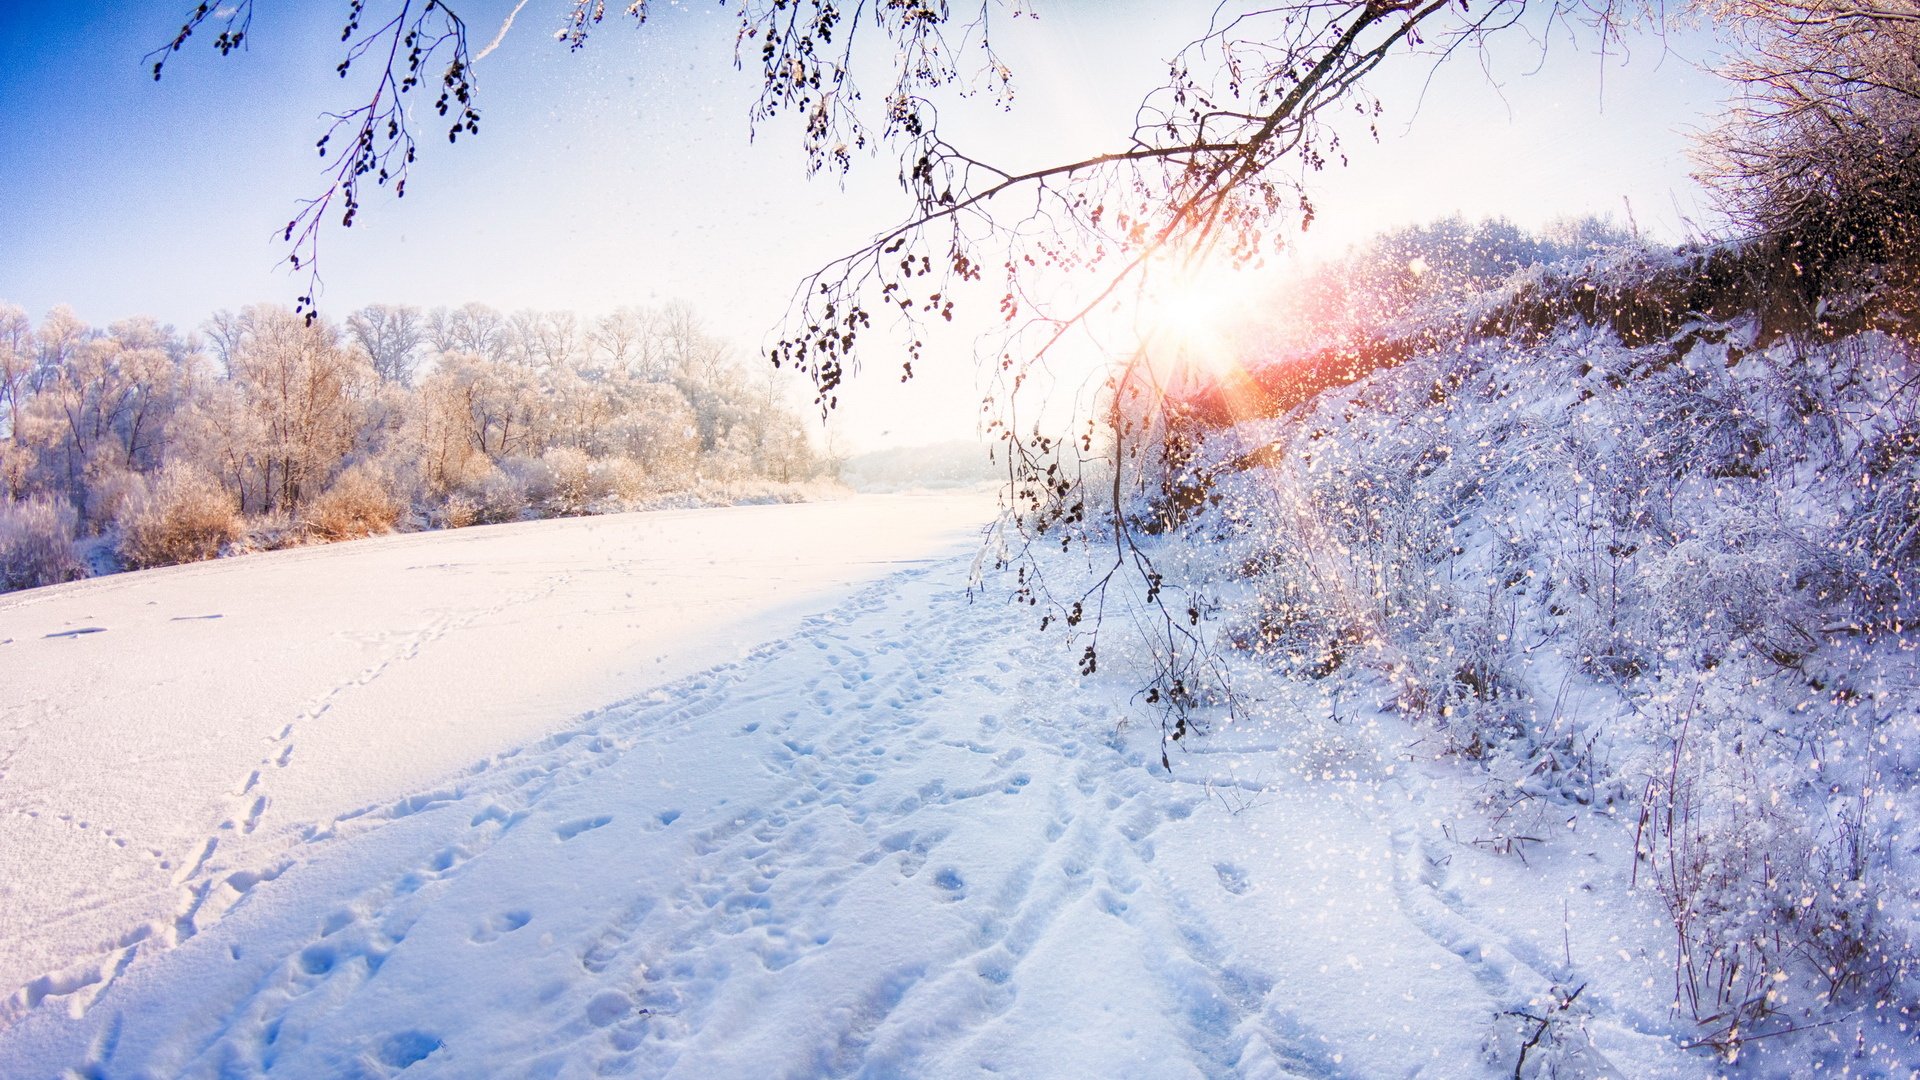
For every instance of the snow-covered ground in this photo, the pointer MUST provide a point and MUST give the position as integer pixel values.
(165, 736)
(514, 802)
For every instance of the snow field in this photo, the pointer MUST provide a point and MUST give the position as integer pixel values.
(898, 841)
(169, 739)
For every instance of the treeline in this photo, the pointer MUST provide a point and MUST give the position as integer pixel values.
(136, 445)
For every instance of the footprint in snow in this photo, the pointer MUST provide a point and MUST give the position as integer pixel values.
(574, 828)
(405, 1048)
(1232, 878)
(950, 881)
(500, 925)
(608, 1008)
(319, 958)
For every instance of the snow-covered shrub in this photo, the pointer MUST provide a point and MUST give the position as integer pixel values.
(571, 482)
(532, 479)
(1358, 560)
(36, 543)
(622, 479)
(724, 463)
(1547, 1039)
(1776, 881)
(108, 489)
(454, 471)
(494, 496)
(182, 515)
(458, 512)
(357, 504)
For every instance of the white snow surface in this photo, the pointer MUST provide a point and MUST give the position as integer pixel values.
(161, 731)
(755, 793)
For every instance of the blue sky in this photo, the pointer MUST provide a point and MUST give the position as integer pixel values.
(624, 173)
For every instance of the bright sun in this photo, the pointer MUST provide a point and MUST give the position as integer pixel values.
(1193, 312)
(1189, 318)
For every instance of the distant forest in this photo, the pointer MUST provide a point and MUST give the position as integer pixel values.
(135, 445)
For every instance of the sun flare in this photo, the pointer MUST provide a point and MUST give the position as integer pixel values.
(1192, 320)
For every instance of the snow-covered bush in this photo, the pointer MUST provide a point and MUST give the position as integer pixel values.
(109, 487)
(1780, 868)
(36, 543)
(570, 481)
(532, 479)
(623, 480)
(182, 515)
(494, 496)
(357, 504)
(1547, 1038)
(458, 512)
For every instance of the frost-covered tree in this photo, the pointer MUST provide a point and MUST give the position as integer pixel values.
(305, 388)
(472, 328)
(59, 334)
(1822, 144)
(542, 339)
(621, 339)
(102, 406)
(391, 335)
(284, 430)
(16, 373)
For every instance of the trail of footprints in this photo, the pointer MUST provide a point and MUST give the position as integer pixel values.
(509, 787)
(244, 814)
(206, 887)
(761, 884)
(754, 882)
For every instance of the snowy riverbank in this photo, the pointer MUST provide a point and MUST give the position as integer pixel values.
(895, 837)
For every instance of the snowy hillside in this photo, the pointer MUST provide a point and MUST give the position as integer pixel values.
(1651, 597)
